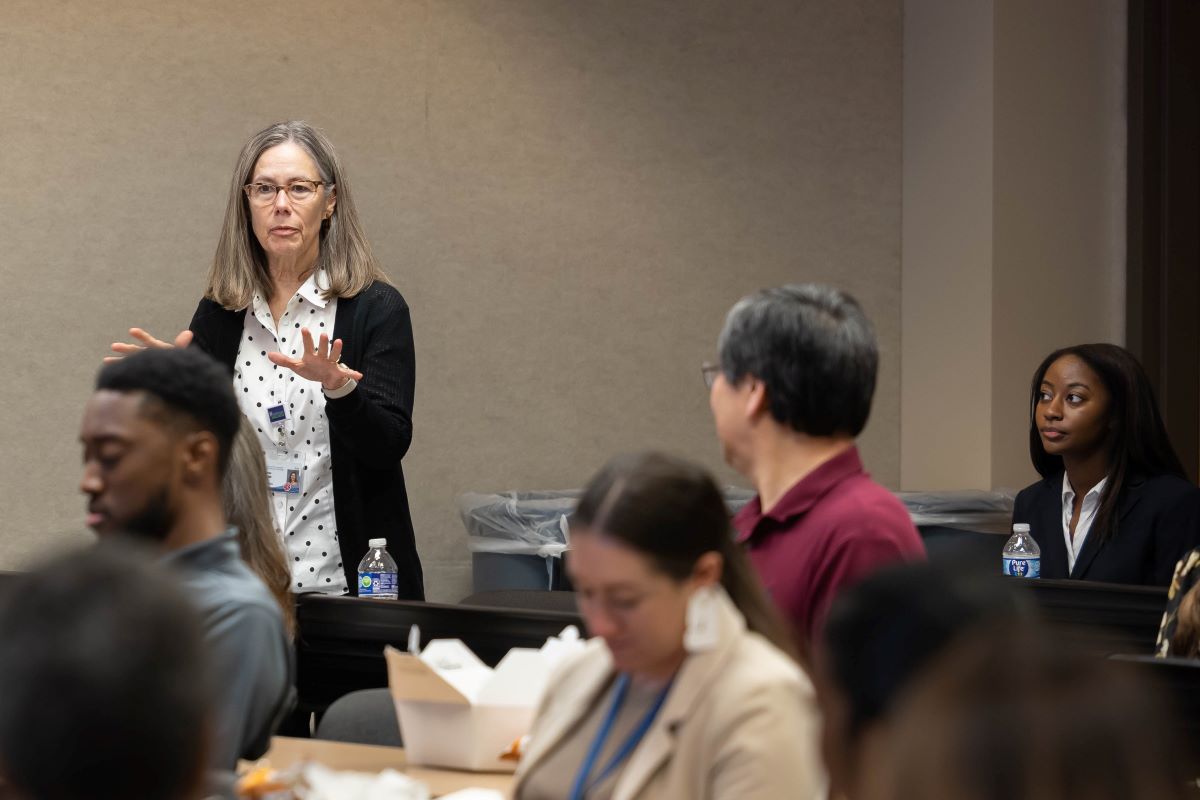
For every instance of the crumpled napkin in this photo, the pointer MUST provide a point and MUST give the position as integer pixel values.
(327, 784)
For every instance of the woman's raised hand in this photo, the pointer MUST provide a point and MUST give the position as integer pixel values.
(183, 339)
(318, 362)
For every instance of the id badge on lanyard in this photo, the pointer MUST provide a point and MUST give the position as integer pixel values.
(285, 470)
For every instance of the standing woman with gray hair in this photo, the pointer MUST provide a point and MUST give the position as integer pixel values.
(321, 350)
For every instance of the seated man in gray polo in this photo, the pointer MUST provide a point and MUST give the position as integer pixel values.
(157, 436)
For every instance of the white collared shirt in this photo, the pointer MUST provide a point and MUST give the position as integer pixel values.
(306, 519)
(1087, 515)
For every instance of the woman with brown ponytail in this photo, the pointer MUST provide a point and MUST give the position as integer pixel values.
(688, 689)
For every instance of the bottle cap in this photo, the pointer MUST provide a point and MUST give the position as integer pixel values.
(383, 542)
(1020, 527)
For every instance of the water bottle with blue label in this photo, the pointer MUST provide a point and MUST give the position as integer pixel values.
(377, 573)
(1022, 556)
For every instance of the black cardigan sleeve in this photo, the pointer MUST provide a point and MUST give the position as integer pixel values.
(374, 421)
(217, 331)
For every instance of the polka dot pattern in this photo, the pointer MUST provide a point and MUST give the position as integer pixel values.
(308, 518)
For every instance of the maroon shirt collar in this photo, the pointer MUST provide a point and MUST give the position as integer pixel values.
(801, 497)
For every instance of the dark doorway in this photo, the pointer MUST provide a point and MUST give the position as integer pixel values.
(1163, 266)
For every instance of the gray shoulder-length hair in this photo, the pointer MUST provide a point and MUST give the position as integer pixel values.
(240, 266)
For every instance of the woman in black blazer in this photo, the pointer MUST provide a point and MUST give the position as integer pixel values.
(1113, 504)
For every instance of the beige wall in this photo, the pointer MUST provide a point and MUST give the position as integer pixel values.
(947, 251)
(1059, 275)
(569, 194)
(1014, 236)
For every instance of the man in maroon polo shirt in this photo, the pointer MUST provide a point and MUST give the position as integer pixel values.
(791, 392)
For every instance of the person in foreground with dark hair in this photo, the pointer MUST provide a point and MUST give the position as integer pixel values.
(157, 436)
(687, 691)
(791, 392)
(1010, 714)
(106, 691)
(878, 639)
(1113, 504)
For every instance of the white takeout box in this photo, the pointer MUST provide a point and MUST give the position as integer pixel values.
(457, 712)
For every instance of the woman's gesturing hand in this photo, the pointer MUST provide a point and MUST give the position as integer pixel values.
(318, 362)
(183, 339)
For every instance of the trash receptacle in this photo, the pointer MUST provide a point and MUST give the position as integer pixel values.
(962, 526)
(517, 539)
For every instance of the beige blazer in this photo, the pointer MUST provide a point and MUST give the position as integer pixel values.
(740, 723)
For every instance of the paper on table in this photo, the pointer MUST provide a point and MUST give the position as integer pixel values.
(327, 784)
(474, 794)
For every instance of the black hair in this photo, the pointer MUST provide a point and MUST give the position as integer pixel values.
(106, 691)
(813, 348)
(1012, 711)
(184, 383)
(671, 511)
(882, 632)
(1138, 442)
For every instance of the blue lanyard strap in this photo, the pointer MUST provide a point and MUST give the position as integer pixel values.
(583, 781)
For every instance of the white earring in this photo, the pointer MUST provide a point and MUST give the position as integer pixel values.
(702, 629)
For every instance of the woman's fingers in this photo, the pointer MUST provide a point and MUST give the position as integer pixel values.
(293, 364)
(183, 339)
(320, 349)
(319, 361)
(146, 339)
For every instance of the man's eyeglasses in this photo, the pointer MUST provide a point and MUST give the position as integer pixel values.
(709, 372)
(262, 194)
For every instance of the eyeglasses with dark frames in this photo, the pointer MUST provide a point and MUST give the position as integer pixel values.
(709, 372)
(297, 191)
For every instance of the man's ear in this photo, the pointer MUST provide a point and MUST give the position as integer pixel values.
(201, 453)
(756, 398)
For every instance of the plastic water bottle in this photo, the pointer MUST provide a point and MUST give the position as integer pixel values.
(1022, 556)
(377, 572)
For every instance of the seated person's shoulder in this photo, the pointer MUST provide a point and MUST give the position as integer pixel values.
(1170, 488)
(593, 657)
(759, 686)
(868, 510)
(758, 667)
(1043, 487)
(232, 594)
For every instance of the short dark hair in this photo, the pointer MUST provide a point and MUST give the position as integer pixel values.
(881, 633)
(813, 348)
(106, 691)
(1139, 445)
(184, 382)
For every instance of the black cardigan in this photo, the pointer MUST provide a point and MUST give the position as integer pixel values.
(370, 428)
(1157, 522)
